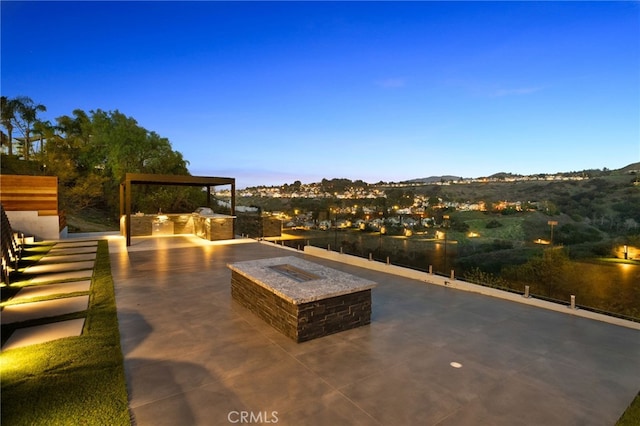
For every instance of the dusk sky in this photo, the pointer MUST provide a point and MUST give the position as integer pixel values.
(270, 93)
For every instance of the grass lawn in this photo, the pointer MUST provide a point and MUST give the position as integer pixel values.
(511, 228)
(631, 416)
(75, 380)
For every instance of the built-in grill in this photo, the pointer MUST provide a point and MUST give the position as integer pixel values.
(212, 226)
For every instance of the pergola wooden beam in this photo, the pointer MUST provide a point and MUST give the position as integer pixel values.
(173, 180)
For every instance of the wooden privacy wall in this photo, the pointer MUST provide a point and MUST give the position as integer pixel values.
(30, 193)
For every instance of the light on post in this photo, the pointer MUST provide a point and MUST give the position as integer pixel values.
(552, 223)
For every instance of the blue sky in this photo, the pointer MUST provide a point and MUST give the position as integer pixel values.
(270, 93)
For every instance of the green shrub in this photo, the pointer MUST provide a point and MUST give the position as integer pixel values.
(493, 224)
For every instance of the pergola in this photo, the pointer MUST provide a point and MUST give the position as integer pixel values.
(173, 180)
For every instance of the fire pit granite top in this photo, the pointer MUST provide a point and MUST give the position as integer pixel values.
(299, 281)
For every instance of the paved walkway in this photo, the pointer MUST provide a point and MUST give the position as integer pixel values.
(431, 356)
(65, 270)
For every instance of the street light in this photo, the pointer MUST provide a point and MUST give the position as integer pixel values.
(335, 227)
(552, 223)
(445, 218)
(383, 230)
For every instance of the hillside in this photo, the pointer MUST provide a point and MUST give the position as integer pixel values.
(595, 197)
(631, 168)
(435, 179)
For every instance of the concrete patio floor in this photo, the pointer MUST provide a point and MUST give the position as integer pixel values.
(193, 356)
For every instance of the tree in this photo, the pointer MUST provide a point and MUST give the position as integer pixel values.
(544, 273)
(91, 152)
(433, 201)
(493, 223)
(24, 118)
(459, 225)
(7, 113)
(44, 130)
(78, 141)
(118, 145)
(400, 197)
(111, 144)
(550, 209)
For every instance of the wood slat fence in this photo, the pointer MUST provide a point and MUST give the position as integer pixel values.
(30, 193)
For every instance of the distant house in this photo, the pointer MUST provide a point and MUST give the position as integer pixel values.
(343, 224)
(409, 222)
(324, 225)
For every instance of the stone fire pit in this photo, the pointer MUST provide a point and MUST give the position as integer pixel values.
(301, 299)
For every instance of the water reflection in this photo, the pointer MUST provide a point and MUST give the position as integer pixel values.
(630, 274)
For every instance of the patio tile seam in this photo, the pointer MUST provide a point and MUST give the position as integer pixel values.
(318, 376)
(459, 404)
(350, 401)
(133, 405)
(545, 388)
(339, 389)
(377, 372)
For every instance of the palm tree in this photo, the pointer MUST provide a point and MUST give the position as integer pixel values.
(7, 114)
(44, 130)
(25, 116)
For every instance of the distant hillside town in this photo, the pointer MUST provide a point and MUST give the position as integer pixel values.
(424, 200)
(347, 190)
(317, 190)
